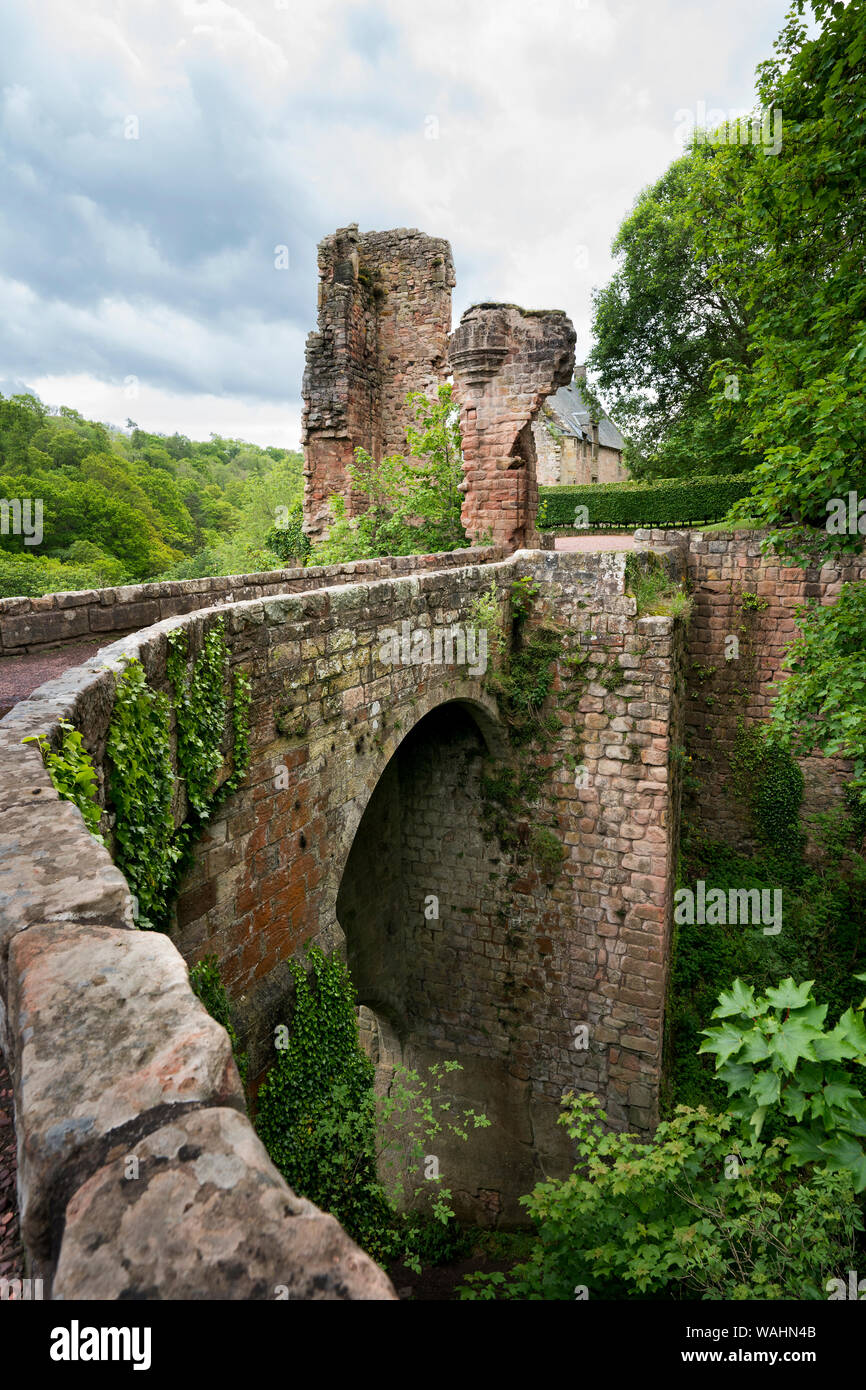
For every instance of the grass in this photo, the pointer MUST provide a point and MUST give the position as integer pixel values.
(656, 592)
(747, 525)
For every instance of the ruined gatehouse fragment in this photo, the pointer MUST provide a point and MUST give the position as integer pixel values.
(383, 330)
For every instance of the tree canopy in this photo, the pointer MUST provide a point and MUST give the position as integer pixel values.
(121, 507)
(732, 335)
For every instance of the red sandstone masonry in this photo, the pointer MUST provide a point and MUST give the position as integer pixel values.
(721, 567)
(267, 874)
(26, 624)
(384, 316)
(506, 361)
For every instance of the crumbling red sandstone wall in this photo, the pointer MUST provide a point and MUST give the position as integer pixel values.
(725, 689)
(384, 320)
(505, 361)
(383, 324)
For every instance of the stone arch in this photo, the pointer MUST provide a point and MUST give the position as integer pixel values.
(469, 695)
(419, 907)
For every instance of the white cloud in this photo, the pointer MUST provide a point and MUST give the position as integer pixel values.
(262, 123)
(166, 412)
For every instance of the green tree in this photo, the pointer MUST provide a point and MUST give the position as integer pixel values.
(807, 289)
(411, 506)
(737, 316)
(661, 324)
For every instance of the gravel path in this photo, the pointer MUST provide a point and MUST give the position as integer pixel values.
(20, 675)
(11, 1254)
(615, 541)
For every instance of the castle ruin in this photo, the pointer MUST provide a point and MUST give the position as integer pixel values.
(383, 331)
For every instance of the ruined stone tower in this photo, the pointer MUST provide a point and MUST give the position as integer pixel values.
(384, 321)
(384, 324)
(505, 361)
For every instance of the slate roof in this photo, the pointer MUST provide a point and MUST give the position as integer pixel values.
(571, 415)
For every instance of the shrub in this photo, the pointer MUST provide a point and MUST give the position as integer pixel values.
(776, 1057)
(412, 505)
(824, 904)
(289, 541)
(696, 1211)
(666, 502)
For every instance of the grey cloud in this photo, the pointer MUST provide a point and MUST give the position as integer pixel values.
(262, 127)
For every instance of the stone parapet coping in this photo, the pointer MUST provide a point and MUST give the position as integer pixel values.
(26, 624)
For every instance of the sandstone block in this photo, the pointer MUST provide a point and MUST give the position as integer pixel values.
(52, 869)
(110, 1036)
(207, 1217)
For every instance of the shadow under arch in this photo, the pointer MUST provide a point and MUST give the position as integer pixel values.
(468, 694)
(375, 880)
(423, 904)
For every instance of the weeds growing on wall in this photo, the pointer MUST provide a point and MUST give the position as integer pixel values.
(72, 773)
(207, 984)
(485, 615)
(821, 701)
(335, 1143)
(149, 848)
(656, 593)
(522, 685)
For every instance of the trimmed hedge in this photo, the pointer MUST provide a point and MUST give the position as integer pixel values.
(665, 502)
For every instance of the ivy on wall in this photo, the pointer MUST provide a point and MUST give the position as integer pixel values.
(316, 1107)
(768, 778)
(149, 848)
(353, 1154)
(142, 790)
(207, 985)
(200, 706)
(72, 773)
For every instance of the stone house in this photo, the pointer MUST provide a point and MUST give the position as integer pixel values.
(570, 447)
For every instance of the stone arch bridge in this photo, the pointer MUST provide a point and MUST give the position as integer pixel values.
(363, 807)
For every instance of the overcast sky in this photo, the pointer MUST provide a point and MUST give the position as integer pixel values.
(154, 156)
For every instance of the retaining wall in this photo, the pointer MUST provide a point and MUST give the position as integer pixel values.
(721, 568)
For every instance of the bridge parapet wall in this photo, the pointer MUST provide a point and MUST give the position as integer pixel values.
(148, 1076)
(28, 624)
